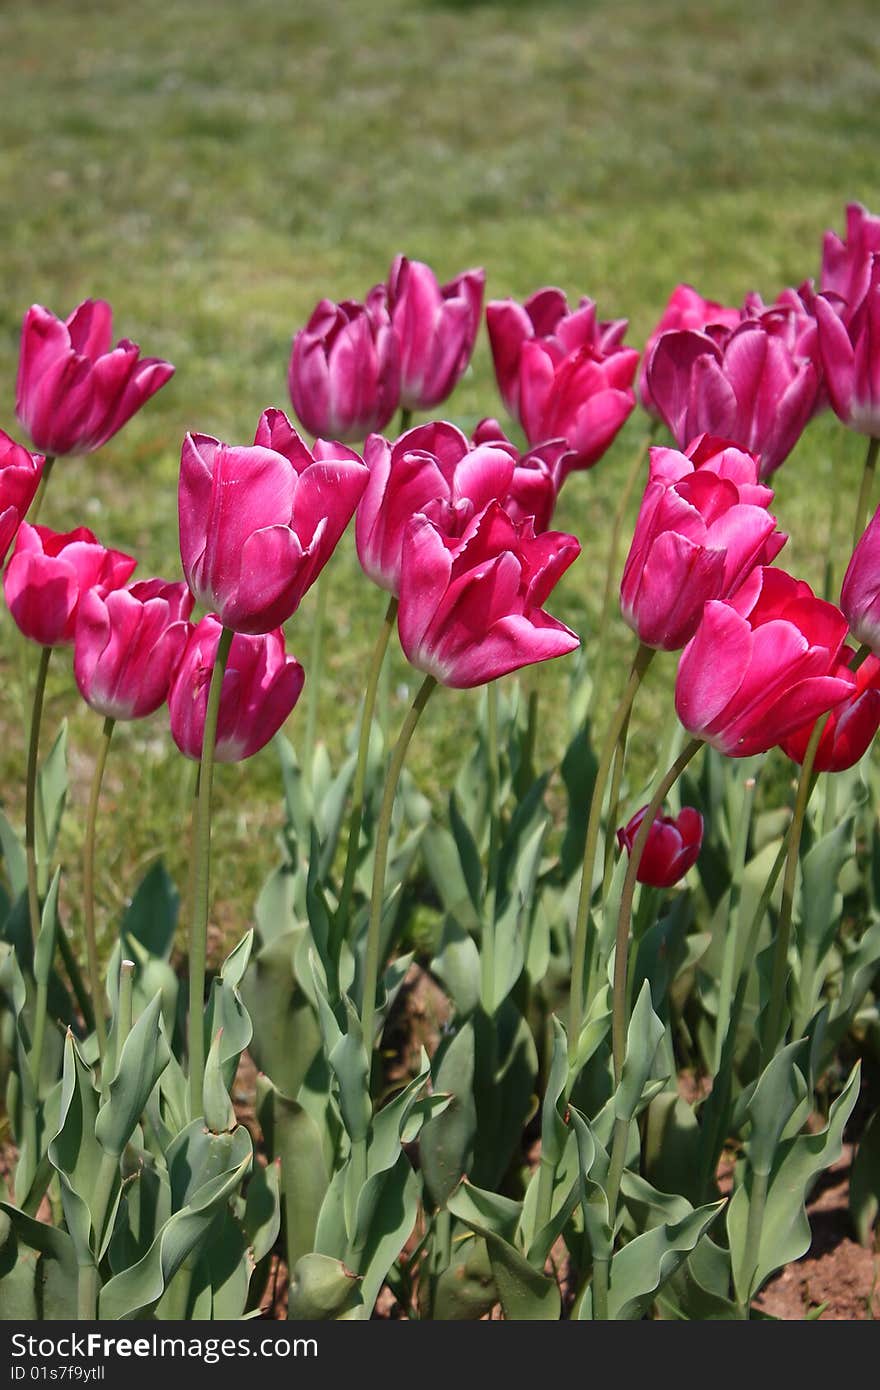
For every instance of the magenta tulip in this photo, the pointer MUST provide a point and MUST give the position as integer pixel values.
(20, 473)
(471, 609)
(74, 390)
(49, 574)
(860, 593)
(561, 374)
(686, 308)
(851, 354)
(261, 685)
(846, 265)
(760, 665)
(534, 486)
(702, 527)
(672, 847)
(436, 327)
(258, 523)
(430, 469)
(851, 726)
(127, 645)
(344, 375)
(749, 388)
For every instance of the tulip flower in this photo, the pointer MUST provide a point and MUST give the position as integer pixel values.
(761, 664)
(846, 265)
(258, 523)
(534, 486)
(430, 469)
(49, 574)
(127, 646)
(344, 375)
(851, 725)
(562, 374)
(749, 389)
(671, 849)
(685, 308)
(860, 592)
(436, 328)
(260, 687)
(702, 528)
(20, 473)
(850, 348)
(74, 390)
(471, 607)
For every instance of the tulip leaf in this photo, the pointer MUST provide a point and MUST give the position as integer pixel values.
(640, 1270)
(468, 854)
(286, 1038)
(466, 1288)
(51, 798)
(525, 1294)
(442, 861)
(38, 1269)
(322, 1289)
(446, 1142)
(457, 965)
(151, 917)
(145, 1055)
(304, 1179)
(262, 1213)
(643, 1039)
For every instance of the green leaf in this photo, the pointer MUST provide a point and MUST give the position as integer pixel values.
(304, 1177)
(468, 854)
(466, 1288)
(286, 1037)
(457, 965)
(444, 866)
(446, 1143)
(38, 1270)
(151, 917)
(322, 1289)
(74, 1150)
(643, 1039)
(864, 1183)
(262, 1214)
(14, 858)
(217, 1110)
(525, 1294)
(51, 797)
(640, 1270)
(389, 1203)
(145, 1055)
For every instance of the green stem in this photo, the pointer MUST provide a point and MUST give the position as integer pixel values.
(380, 862)
(30, 814)
(198, 939)
(600, 1290)
(614, 803)
(37, 504)
(360, 773)
(87, 1293)
(316, 663)
(611, 575)
(94, 964)
(757, 1203)
(124, 1005)
(774, 1028)
(579, 983)
(731, 935)
(863, 506)
(494, 779)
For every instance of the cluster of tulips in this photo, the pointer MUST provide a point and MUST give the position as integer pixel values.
(457, 531)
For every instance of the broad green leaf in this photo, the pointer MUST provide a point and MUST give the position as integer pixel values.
(145, 1055)
(466, 1288)
(322, 1289)
(446, 1143)
(262, 1214)
(304, 1178)
(151, 917)
(643, 1039)
(641, 1268)
(457, 965)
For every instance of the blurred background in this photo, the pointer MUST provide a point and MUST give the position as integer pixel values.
(213, 168)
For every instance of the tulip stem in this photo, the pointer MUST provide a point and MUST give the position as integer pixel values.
(316, 662)
(30, 812)
(579, 952)
(493, 779)
(863, 506)
(37, 504)
(94, 964)
(731, 936)
(360, 775)
(198, 939)
(611, 570)
(380, 862)
(614, 803)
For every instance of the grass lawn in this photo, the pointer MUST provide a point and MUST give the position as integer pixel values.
(214, 168)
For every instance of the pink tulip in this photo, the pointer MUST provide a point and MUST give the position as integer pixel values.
(562, 374)
(74, 390)
(471, 608)
(851, 725)
(850, 351)
(260, 688)
(685, 308)
(258, 523)
(672, 846)
(702, 528)
(436, 329)
(20, 473)
(430, 469)
(860, 593)
(49, 574)
(846, 265)
(344, 374)
(127, 645)
(749, 388)
(760, 665)
(534, 486)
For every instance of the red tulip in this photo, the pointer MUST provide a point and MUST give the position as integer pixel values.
(49, 574)
(846, 265)
(258, 523)
(760, 665)
(74, 390)
(20, 473)
(534, 485)
(430, 469)
(702, 528)
(850, 348)
(436, 329)
(685, 308)
(344, 374)
(672, 846)
(127, 645)
(851, 725)
(860, 593)
(748, 388)
(260, 688)
(562, 374)
(471, 608)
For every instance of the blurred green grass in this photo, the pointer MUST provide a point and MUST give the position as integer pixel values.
(214, 168)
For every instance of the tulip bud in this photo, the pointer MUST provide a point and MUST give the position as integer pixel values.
(685, 309)
(20, 473)
(49, 574)
(860, 592)
(850, 348)
(846, 265)
(671, 848)
(128, 644)
(344, 375)
(436, 327)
